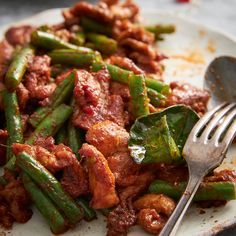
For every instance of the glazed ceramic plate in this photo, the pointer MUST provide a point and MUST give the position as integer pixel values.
(189, 50)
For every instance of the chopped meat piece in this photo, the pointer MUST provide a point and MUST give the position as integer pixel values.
(110, 2)
(222, 176)
(101, 179)
(6, 53)
(121, 90)
(141, 184)
(125, 63)
(151, 221)
(6, 219)
(108, 137)
(124, 168)
(74, 180)
(95, 103)
(120, 220)
(57, 158)
(37, 78)
(87, 89)
(3, 141)
(100, 12)
(22, 95)
(19, 35)
(160, 202)
(63, 34)
(126, 11)
(191, 96)
(138, 33)
(18, 199)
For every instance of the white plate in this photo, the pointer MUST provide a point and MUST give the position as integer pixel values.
(190, 50)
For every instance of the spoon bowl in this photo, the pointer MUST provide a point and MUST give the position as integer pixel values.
(220, 79)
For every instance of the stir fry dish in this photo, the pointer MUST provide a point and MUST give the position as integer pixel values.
(89, 127)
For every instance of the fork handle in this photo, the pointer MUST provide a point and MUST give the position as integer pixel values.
(176, 217)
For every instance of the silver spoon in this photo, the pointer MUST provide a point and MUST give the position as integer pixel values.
(220, 79)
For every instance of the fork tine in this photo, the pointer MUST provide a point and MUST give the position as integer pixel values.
(203, 121)
(215, 121)
(230, 134)
(220, 130)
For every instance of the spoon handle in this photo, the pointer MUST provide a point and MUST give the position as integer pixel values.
(175, 219)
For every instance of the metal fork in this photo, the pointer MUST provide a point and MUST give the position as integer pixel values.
(204, 150)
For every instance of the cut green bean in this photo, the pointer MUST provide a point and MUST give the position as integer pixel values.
(49, 41)
(207, 191)
(89, 213)
(156, 98)
(93, 26)
(44, 205)
(138, 93)
(50, 186)
(51, 124)
(3, 181)
(13, 120)
(158, 30)
(78, 38)
(74, 58)
(17, 68)
(120, 75)
(60, 95)
(61, 135)
(105, 211)
(102, 43)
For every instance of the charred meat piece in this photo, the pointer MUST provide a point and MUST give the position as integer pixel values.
(37, 78)
(94, 104)
(101, 179)
(19, 35)
(120, 220)
(188, 95)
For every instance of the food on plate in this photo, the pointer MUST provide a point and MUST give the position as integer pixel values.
(89, 126)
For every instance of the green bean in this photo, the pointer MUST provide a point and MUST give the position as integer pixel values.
(3, 181)
(74, 58)
(89, 213)
(10, 165)
(120, 75)
(51, 124)
(44, 205)
(50, 186)
(78, 38)
(102, 43)
(93, 26)
(160, 29)
(49, 41)
(105, 211)
(60, 95)
(61, 135)
(156, 98)
(207, 191)
(138, 93)
(13, 120)
(17, 68)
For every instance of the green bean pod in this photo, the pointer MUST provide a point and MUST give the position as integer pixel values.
(60, 95)
(207, 191)
(49, 41)
(156, 98)
(61, 135)
(74, 58)
(102, 43)
(158, 30)
(17, 68)
(44, 205)
(78, 38)
(157, 85)
(138, 93)
(51, 124)
(13, 120)
(50, 186)
(89, 213)
(93, 26)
